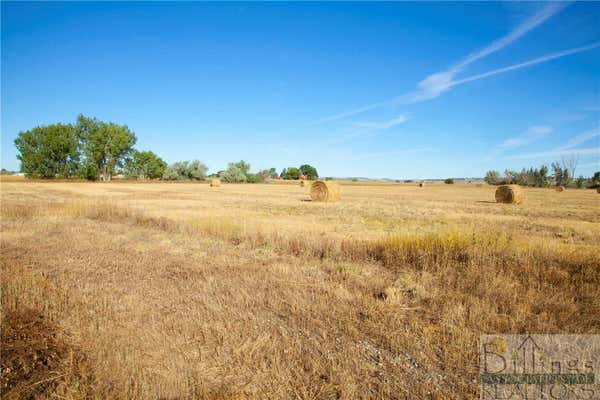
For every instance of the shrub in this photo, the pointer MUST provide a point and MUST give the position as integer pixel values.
(186, 170)
(254, 178)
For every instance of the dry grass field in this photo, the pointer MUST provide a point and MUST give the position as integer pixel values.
(177, 291)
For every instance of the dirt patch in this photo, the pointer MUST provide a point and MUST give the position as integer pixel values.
(32, 354)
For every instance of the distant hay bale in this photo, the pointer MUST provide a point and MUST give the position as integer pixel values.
(325, 191)
(511, 194)
(598, 189)
(215, 182)
(421, 184)
(560, 188)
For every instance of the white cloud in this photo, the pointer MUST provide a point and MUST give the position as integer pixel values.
(347, 136)
(581, 138)
(383, 124)
(350, 113)
(557, 153)
(368, 128)
(531, 135)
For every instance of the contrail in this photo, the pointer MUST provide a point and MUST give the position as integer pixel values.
(526, 63)
(435, 84)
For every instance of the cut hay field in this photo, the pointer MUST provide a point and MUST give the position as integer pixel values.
(176, 291)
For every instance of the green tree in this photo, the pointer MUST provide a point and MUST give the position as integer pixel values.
(561, 175)
(579, 182)
(242, 166)
(254, 178)
(48, 151)
(234, 174)
(510, 176)
(105, 145)
(596, 179)
(291, 173)
(309, 171)
(186, 170)
(144, 165)
(237, 172)
(265, 174)
(492, 177)
(449, 181)
(273, 173)
(543, 176)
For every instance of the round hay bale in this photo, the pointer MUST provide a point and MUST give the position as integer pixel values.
(215, 182)
(598, 189)
(560, 188)
(421, 184)
(325, 191)
(510, 194)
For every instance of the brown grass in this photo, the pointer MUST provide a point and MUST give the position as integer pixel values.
(510, 194)
(170, 291)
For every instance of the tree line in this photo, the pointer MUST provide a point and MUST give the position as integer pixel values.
(559, 174)
(96, 150)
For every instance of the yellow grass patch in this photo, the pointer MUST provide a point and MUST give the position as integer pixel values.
(173, 291)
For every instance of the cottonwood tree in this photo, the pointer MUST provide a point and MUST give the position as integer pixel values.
(105, 146)
(48, 151)
(309, 171)
(291, 173)
(144, 165)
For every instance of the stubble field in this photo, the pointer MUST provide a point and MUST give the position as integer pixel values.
(174, 290)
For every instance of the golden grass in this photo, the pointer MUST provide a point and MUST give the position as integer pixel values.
(173, 291)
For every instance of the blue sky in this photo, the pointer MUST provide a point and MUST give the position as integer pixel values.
(396, 90)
